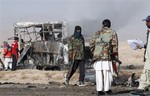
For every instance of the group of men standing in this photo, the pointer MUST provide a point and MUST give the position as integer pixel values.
(10, 54)
(104, 47)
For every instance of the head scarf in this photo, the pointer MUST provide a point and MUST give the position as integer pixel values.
(77, 34)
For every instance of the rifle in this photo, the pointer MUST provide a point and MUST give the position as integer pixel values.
(114, 58)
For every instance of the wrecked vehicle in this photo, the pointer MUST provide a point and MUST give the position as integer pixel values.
(43, 43)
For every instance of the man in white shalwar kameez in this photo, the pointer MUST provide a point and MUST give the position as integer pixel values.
(145, 77)
(104, 46)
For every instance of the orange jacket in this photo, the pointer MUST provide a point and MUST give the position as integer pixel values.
(7, 51)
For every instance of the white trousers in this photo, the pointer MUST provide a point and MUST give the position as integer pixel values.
(103, 75)
(145, 77)
(8, 63)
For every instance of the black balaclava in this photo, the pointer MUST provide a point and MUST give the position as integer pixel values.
(106, 23)
(77, 34)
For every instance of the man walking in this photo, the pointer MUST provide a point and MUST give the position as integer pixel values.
(145, 77)
(76, 48)
(104, 46)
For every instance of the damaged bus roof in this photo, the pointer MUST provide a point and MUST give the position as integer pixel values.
(36, 24)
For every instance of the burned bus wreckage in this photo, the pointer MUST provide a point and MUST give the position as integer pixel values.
(45, 44)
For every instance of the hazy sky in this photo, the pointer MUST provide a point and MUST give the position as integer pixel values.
(126, 15)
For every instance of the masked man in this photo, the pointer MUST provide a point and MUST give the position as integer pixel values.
(76, 49)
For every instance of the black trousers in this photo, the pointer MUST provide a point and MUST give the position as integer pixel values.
(75, 65)
(14, 62)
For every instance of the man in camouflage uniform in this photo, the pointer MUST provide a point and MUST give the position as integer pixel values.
(104, 46)
(76, 48)
(145, 77)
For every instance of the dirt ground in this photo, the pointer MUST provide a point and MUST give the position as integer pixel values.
(27, 82)
(55, 89)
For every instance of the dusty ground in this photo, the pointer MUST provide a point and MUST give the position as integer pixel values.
(55, 90)
(29, 82)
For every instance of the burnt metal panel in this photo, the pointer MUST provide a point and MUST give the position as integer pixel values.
(47, 47)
